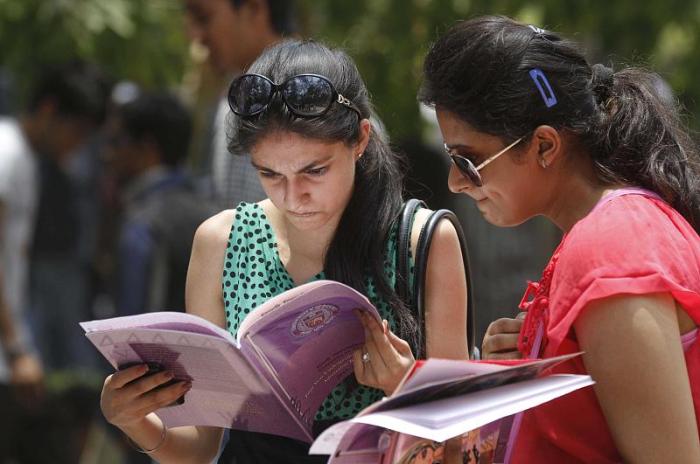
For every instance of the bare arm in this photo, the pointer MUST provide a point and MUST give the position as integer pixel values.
(130, 407)
(388, 357)
(445, 294)
(633, 351)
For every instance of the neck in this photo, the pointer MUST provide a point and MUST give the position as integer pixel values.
(302, 252)
(310, 246)
(574, 200)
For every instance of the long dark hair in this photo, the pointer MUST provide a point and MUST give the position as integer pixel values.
(357, 248)
(632, 131)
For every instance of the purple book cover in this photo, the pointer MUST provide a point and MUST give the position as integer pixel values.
(290, 353)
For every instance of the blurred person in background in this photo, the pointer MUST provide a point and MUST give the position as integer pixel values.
(21, 372)
(56, 121)
(66, 109)
(147, 140)
(234, 32)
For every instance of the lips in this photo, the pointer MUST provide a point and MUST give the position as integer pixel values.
(301, 214)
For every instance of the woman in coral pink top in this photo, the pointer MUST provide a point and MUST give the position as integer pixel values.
(603, 155)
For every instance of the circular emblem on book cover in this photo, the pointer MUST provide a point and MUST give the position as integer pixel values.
(313, 319)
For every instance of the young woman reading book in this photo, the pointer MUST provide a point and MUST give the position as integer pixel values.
(533, 129)
(334, 193)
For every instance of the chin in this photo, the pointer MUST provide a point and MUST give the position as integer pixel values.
(500, 221)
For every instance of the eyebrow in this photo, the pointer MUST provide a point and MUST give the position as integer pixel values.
(300, 171)
(459, 145)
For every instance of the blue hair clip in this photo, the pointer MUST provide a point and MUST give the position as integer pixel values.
(543, 86)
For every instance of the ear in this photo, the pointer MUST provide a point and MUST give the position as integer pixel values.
(547, 144)
(365, 132)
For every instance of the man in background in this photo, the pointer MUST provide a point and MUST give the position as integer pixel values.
(64, 113)
(147, 141)
(61, 111)
(235, 32)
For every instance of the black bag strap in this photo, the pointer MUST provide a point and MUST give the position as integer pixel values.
(403, 245)
(416, 299)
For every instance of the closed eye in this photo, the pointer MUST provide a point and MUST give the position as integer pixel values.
(317, 171)
(268, 174)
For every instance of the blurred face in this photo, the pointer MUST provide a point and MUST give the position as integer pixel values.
(309, 181)
(56, 135)
(123, 154)
(223, 30)
(511, 191)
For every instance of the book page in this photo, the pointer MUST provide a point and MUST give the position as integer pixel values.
(305, 343)
(226, 389)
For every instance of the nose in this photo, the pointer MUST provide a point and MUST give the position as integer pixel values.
(457, 182)
(296, 193)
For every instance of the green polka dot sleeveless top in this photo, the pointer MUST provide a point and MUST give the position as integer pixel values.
(253, 273)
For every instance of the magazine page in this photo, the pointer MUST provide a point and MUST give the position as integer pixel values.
(465, 399)
(434, 379)
(368, 444)
(304, 340)
(442, 419)
(226, 389)
(477, 446)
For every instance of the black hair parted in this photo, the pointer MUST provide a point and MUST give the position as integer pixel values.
(479, 71)
(160, 118)
(358, 246)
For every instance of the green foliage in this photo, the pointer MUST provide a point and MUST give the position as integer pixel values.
(141, 40)
(389, 38)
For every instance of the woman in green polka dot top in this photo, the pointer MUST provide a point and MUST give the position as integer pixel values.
(334, 192)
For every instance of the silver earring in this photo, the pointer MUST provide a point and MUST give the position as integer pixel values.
(543, 163)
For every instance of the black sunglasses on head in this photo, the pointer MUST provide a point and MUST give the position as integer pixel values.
(305, 95)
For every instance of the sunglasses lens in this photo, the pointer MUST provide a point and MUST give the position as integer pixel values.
(308, 95)
(467, 169)
(249, 95)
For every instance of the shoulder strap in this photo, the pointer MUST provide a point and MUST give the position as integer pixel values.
(403, 246)
(422, 252)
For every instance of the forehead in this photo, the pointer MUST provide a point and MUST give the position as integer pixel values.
(287, 150)
(456, 131)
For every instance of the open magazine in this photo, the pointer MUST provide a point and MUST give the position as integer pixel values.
(288, 356)
(442, 399)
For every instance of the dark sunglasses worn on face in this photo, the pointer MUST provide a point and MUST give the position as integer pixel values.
(305, 95)
(467, 168)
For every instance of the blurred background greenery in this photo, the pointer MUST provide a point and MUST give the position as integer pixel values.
(144, 40)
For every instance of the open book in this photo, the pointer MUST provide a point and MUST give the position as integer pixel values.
(288, 356)
(441, 399)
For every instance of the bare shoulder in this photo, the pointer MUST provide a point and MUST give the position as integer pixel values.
(215, 230)
(444, 237)
(203, 294)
